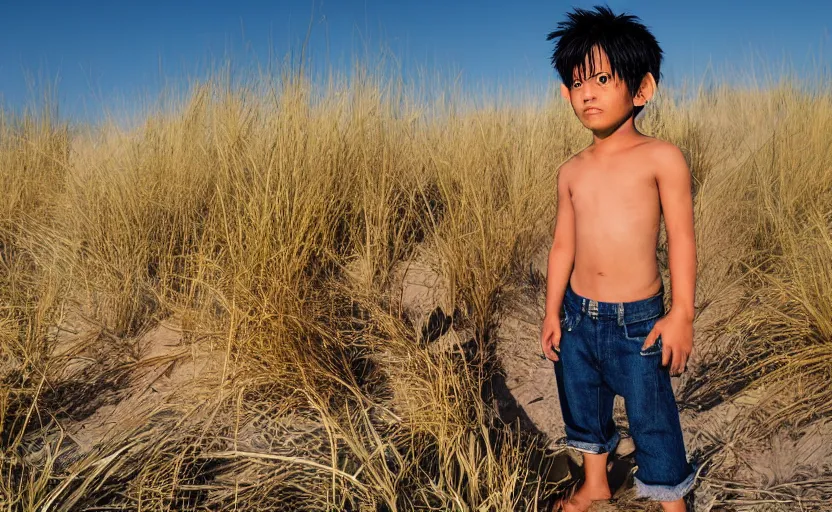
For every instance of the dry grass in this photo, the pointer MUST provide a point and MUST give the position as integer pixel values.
(268, 222)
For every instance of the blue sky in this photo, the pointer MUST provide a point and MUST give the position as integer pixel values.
(99, 51)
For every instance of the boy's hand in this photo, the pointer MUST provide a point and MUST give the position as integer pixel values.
(677, 341)
(550, 337)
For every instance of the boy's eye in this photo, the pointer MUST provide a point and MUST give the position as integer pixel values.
(576, 84)
(603, 79)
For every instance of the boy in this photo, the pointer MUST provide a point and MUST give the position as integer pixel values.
(605, 327)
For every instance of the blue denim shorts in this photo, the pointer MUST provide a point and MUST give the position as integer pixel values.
(601, 357)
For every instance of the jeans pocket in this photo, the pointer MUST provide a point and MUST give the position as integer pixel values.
(569, 319)
(638, 331)
(654, 349)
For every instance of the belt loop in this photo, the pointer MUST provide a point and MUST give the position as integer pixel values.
(620, 313)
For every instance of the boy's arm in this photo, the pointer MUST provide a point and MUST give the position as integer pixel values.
(562, 253)
(674, 182)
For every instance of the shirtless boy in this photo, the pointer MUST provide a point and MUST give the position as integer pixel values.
(605, 326)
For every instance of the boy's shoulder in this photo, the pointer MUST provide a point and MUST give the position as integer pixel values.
(569, 167)
(661, 148)
(666, 157)
(657, 153)
(577, 159)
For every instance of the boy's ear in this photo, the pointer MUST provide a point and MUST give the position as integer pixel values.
(564, 92)
(646, 90)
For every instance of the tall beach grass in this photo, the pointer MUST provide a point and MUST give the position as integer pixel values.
(269, 221)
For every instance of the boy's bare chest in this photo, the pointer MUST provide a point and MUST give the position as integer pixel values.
(614, 190)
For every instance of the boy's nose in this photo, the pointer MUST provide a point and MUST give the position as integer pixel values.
(588, 94)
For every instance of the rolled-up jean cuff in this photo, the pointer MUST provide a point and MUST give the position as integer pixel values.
(666, 492)
(593, 447)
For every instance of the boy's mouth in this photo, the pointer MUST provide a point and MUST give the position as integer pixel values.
(592, 110)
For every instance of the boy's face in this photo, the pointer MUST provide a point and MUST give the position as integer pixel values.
(601, 101)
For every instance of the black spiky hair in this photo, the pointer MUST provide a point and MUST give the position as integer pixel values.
(631, 48)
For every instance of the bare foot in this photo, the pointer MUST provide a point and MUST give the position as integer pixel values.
(582, 499)
(674, 506)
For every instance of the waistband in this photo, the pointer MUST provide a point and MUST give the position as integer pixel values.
(624, 312)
